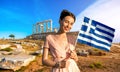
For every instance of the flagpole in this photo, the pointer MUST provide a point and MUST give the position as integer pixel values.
(78, 35)
(77, 39)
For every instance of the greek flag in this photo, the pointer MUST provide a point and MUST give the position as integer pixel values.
(96, 34)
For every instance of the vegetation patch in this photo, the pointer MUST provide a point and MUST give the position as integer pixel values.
(21, 69)
(8, 49)
(96, 65)
(44, 69)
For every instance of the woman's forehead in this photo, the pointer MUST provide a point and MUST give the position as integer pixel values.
(69, 18)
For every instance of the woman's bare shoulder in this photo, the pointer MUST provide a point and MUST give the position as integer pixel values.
(50, 35)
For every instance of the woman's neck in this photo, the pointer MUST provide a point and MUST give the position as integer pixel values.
(62, 34)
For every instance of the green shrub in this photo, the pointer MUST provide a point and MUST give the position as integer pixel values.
(95, 49)
(8, 49)
(91, 66)
(96, 65)
(21, 69)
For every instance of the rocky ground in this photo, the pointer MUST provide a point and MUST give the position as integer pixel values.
(109, 62)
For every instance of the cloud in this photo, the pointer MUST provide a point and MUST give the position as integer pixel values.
(104, 11)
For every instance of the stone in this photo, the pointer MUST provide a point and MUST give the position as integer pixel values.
(4, 46)
(83, 53)
(15, 62)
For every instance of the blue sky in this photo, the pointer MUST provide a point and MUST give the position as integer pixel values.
(18, 16)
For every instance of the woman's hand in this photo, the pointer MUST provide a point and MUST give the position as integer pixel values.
(73, 55)
(61, 64)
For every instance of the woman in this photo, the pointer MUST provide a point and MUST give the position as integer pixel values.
(61, 46)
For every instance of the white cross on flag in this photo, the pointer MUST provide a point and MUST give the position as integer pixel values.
(96, 34)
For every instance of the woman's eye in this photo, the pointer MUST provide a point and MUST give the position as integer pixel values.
(66, 21)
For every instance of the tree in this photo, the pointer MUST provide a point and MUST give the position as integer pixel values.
(12, 36)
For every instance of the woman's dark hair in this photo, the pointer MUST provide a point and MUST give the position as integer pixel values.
(65, 13)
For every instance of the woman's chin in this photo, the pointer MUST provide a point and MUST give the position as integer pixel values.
(66, 31)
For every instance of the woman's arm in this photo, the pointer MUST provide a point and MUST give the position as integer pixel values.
(45, 59)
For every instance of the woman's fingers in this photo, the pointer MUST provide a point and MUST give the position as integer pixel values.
(72, 55)
(63, 64)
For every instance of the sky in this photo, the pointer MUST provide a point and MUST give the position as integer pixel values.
(18, 16)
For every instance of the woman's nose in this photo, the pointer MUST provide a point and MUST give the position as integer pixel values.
(69, 25)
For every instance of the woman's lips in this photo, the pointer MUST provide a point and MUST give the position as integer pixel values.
(66, 29)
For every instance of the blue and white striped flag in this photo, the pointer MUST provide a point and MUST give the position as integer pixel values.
(96, 34)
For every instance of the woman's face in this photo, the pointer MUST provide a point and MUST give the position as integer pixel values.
(66, 24)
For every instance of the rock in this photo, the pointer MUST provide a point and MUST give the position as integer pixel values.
(15, 62)
(83, 53)
(4, 46)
